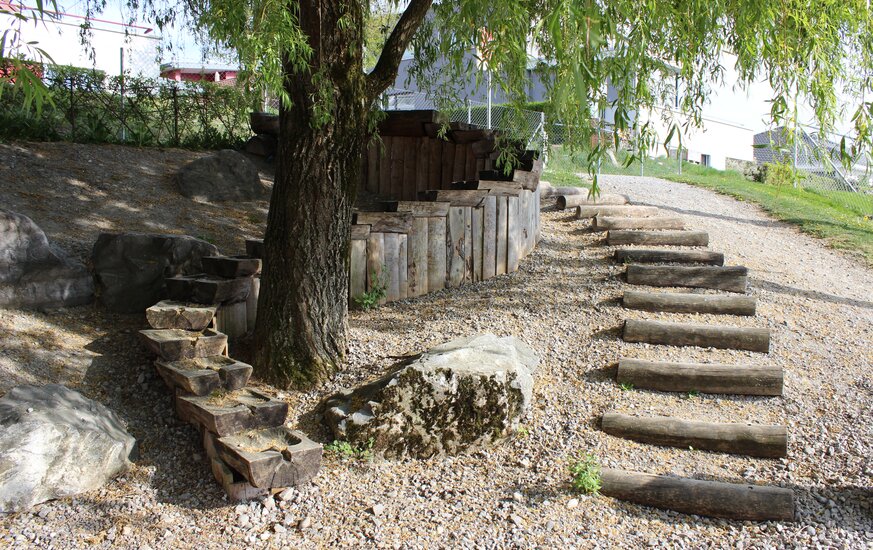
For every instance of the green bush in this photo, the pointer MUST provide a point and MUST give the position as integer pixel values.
(778, 174)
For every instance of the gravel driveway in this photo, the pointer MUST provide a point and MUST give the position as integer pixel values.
(564, 303)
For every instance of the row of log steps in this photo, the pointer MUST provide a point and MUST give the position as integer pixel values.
(700, 377)
(765, 441)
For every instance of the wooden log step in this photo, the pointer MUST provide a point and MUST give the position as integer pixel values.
(237, 488)
(272, 457)
(703, 498)
(216, 290)
(420, 209)
(204, 375)
(705, 336)
(606, 223)
(173, 344)
(385, 222)
(658, 238)
(255, 248)
(689, 303)
(705, 378)
(730, 278)
(766, 441)
(181, 315)
(181, 287)
(653, 256)
(231, 267)
(579, 197)
(229, 413)
(457, 197)
(617, 211)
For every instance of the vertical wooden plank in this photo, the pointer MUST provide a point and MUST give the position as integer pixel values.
(435, 166)
(448, 164)
(513, 234)
(417, 258)
(460, 162)
(358, 268)
(422, 163)
(410, 153)
(373, 167)
(363, 171)
(436, 253)
(478, 215)
(524, 224)
(455, 246)
(397, 145)
(489, 238)
(402, 262)
(232, 319)
(502, 226)
(480, 165)
(470, 172)
(385, 168)
(468, 244)
(375, 261)
(252, 304)
(538, 200)
(392, 265)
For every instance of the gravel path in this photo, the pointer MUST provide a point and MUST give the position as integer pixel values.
(563, 302)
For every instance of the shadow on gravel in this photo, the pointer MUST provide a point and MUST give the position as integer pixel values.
(811, 294)
(759, 223)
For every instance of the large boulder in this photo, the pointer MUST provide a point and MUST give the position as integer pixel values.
(35, 274)
(222, 176)
(130, 267)
(459, 396)
(54, 443)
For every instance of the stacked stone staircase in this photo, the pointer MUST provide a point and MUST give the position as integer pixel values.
(251, 452)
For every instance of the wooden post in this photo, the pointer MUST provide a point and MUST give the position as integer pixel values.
(392, 264)
(760, 440)
(375, 261)
(422, 164)
(373, 167)
(470, 172)
(489, 238)
(435, 164)
(478, 227)
(232, 320)
(402, 262)
(706, 378)
(252, 304)
(502, 234)
(454, 248)
(358, 268)
(436, 253)
(468, 244)
(448, 164)
(513, 234)
(385, 166)
(564, 201)
(458, 172)
(705, 336)
(396, 163)
(417, 258)
(410, 153)
(702, 498)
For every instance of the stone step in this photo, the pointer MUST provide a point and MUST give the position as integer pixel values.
(766, 441)
(217, 290)
(231, 267)
(740, 501)
(730, 278)
(271, 457)
(702, 377)
(619, 211)
(657, 238)
(643, 256)
(181, 315)
(607, 223)
(181, 287)
(227, 413)
(675, 302)
(689, 334)
(173, 344)
(204, 375)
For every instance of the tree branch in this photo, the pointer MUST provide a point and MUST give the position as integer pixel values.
(385, 72)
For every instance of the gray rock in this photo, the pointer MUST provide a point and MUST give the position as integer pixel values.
(35, 274)
(55, 442)
(462, 395)
(130, 267)
(223, 176)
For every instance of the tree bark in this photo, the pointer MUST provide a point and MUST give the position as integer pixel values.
(301, 332)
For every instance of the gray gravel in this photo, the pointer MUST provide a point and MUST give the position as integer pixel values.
(563, 302)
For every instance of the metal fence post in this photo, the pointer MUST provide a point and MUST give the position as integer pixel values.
(488, 120)
(469, 111)
(679, 158)
(175, 116)
(121, 95)
(642, 164)
(794, 163)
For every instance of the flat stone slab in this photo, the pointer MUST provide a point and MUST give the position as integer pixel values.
(228, 413)
(231, 267)
(172, 344)
(204, 375)
(272, 457)
(217, 290)
(183, 315)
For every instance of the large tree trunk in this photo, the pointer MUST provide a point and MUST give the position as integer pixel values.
(300, 334)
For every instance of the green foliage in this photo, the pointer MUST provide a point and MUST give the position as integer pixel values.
(522, 431)
(347, 451)
(86, 107)
(778, 174)
(585, 473)
(626, 386)
(378, 290)
(692, 394)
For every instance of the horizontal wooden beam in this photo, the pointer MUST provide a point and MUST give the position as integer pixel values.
(606, 223)
(717, 304)
(385, 222)
(658, 238)
(705, 378)
(617, 210)
(564, 201)
(730, 278)
(652, 256)
(705, 336)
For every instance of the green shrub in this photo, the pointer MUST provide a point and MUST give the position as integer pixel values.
(378, 290)
(585, 473)
(778, 174)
